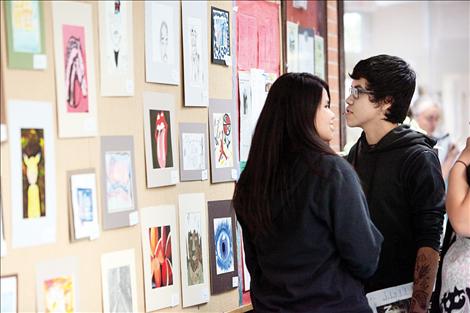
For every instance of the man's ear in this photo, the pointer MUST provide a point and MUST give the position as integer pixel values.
(386, 103)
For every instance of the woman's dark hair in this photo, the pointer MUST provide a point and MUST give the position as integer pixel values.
(285, 128)
(389, 78)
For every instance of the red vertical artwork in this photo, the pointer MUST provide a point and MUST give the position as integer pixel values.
(258, 37)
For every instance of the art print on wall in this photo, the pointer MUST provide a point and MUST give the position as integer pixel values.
(193, 155)
(25, 40)
(159, 134)
(116, 48)
(195, 54)
(9, 293)
(160, 262)
(33, 185)
(75, 68)
(33, 168)
(119, 281)
(58, 294)
(306, 60)
(162, 43)
(222, 246)
(194, 249)
(83, 204)
(75, 73)
(319, 56)
(292, 46)
(223, 142)
(223, 243)
(57, 286)
(220, 35)
(118, 181)
(161, 256)
(160, 126)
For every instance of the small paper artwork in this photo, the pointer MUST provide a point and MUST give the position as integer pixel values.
(220, 35)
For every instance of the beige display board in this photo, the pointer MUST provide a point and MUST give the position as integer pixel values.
(116, 116)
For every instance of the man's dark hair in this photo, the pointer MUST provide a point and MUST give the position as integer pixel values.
(285, 130)
(390, 79)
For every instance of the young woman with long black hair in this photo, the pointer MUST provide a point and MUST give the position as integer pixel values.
(307, 234)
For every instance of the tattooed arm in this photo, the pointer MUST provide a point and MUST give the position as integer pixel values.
(427, 261)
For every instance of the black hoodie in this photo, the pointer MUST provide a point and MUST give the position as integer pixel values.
(402, 180)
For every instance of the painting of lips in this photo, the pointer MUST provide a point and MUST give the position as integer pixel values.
(160, 127)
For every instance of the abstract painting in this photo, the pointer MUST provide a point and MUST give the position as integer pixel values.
(160, 256)
(33, 169)
(75, 68)
(223, 147)
(162, 152)
(222, 246)
(116, 48)
(118, 281)
(120, 295)
(59, 294)
(25, 44)
(194, 249)
(223, 243)
(223, 140)
(83, 202)
(220, 35)
(160, 143)
(119, 188)
(160, 262)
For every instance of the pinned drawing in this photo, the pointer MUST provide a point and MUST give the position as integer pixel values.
(119, 189)
(220, 39)
(223, 242)
(160, 125)
(161, 256)
(223, 148)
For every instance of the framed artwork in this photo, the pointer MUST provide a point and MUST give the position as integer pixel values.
(194, 249)
(306, 58)
(245, 109)
(222, 246)
(25, 35)
(195, 55)
(9, 293)
(116, 48)
(118, 280)
(75, 71)
(119, 199)
(57, 286)
(162, 42)
(160, 139)
(193, 151)
(33, 186)
(393, 299)
(223, 132)
(83, 204)
(160, 257)
(220, 36)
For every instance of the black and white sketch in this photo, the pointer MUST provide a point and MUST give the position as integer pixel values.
(120, 291)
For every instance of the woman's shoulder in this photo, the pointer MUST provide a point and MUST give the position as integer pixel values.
(329, 164)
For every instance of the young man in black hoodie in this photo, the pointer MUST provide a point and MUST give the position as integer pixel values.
(400, 174)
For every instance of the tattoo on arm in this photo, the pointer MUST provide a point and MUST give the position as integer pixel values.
(425, 273)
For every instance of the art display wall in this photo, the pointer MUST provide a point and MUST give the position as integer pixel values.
(124, 128)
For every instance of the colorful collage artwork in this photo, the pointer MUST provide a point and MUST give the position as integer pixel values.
(161, 256)
(119, 189)
(160, 126)
(220, 35)
(223, 147)
(75, 67)
(33, 161)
